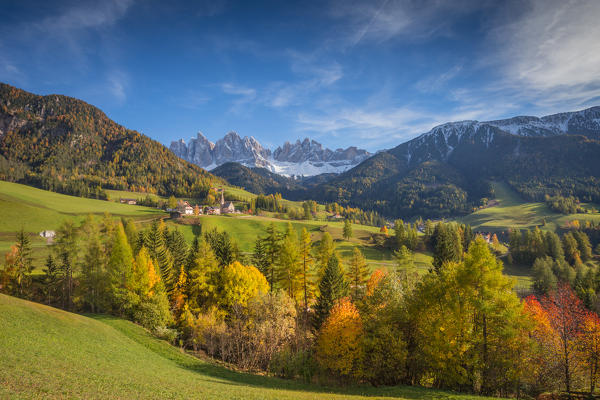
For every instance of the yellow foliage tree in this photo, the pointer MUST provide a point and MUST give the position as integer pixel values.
(384, 230)
(240, 284)
(338, 348)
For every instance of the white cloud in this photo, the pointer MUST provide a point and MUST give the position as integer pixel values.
(245, 92)
(87, 15)
(117, 82)
(387, 19)
(550, 54)
(437, 82)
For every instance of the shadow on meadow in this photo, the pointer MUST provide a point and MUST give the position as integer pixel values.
(225, 376)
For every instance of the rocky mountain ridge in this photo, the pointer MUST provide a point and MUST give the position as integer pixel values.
(302, 158)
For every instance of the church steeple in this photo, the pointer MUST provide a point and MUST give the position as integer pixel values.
(222, 198)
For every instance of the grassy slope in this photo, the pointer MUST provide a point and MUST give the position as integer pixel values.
(48, 353)
(245, 229)
(514, 212)
(36, 210)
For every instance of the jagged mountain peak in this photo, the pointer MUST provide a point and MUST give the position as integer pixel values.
(304, 157)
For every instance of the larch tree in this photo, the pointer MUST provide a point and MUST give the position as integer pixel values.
(93, 266)
(289, 269)
(23, 262)
(121, 274)
(324, 251)
(347, 229)
(306, 273)
(358, 274)
(338, 347)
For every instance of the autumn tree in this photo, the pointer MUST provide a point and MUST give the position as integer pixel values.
(306, 261)
(470, 325)
(358, 274)
(289, 271)
(240, 284)
(338, 347)
(120, 274)
(204, 275)
(93, 266)
(565, 315)
(588, 347)
(324, 251)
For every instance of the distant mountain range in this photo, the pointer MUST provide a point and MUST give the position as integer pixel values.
(63, 144)
(448, 170)
(302, 158)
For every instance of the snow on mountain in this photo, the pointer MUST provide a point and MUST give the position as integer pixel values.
(303, 158)
(440, 142)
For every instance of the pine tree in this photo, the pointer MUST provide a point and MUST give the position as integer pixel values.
(224, 247)
(23, 262)
(192, 254)
(324, 252)
(289, 270)
(553, 246)
(347, 229)
(448, 245)
(332, 287)
(93, 266)
(584, 245)
(271, 243)
(306, 261)
(358, 274)
(178, 248)
(571, 248)
(132, 233)
(164, 262)
(399, 233)
(51, 279)
(405, 264)
(66, 250)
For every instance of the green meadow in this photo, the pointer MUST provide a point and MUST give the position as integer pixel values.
(47, 353)
(514, 212)
(36, 210)
(245, 229)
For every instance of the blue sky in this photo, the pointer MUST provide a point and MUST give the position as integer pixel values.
(367, 73)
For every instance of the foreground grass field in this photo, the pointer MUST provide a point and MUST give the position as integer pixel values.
(514, 212)
(51, 354)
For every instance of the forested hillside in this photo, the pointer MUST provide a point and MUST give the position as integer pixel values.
(432, 176)
(65, 145)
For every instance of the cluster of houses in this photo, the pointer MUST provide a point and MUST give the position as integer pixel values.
(131, 202)
(185, 208)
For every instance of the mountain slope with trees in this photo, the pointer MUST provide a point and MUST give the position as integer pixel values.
(448, 170)
(65, 145)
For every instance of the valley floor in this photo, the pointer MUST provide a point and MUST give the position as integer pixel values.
(49, 353)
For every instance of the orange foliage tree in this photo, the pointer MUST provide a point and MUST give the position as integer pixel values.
(588, 347)
(559, 319)
(338, 347)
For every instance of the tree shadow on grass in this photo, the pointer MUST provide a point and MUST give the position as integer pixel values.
(223, 375)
